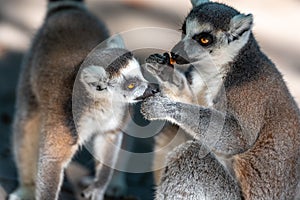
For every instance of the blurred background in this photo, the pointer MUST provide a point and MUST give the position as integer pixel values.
(276, 26)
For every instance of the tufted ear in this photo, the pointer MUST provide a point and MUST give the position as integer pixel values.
(196, 3)
(240, 24)
(94, 78)
(116, 41)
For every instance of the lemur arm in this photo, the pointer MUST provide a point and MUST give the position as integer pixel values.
(171, 81)
(223, 133)
(106, 149)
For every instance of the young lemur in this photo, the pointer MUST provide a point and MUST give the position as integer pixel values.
(45, 137)
(247, 134)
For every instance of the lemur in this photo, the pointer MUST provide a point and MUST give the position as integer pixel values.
(247, 134)
(44, 134)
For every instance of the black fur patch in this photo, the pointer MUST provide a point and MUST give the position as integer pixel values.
(216, 14)
(121, 62)
(183, 27)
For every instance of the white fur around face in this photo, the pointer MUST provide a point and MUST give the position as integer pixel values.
(209, 79)
(193, 27)
(210, 67)
(226, 54)
(134, 70)
(221, 55)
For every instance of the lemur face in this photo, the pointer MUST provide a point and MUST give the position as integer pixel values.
(129, 84)
(212, 31)
(119, 83)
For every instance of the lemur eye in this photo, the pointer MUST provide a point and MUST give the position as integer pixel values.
(99, 88)
(131, 85)
(205, 39)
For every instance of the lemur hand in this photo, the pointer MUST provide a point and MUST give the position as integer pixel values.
(161, 68)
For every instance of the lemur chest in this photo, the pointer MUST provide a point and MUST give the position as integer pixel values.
(109, 118)
(206, 85)
(100, 121)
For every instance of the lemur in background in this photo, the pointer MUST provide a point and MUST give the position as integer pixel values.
(44, 134)
(247, 134)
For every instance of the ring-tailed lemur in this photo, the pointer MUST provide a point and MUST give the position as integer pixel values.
(248, 132)
(109, 90)
(45, 137)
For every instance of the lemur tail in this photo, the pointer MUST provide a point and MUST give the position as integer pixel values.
(59, 5)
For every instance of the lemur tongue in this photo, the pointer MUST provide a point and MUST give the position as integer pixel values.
(152, 89)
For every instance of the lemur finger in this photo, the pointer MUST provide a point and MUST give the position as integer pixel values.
(157, 58)
(152, 67)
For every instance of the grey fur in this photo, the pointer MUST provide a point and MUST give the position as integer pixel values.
(45, 137)
(181, 164)
(100, 100)
(249, 128)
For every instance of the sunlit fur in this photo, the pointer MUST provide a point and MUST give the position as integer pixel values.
(246, 131)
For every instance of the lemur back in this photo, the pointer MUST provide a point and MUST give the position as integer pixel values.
(248, 131)
(45, 90)
(45, 135)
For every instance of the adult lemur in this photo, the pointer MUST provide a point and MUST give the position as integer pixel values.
(247, 133)
(45, 137)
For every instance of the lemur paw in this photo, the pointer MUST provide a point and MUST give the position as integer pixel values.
(159, 59)
(158, 108)
(93, 193)
(159, 66)
(23, 193)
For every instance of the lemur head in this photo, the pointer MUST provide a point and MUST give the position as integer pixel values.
(114, 73)
(212, 30)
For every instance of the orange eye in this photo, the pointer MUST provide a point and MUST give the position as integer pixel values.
(131, 86)
(204, 40)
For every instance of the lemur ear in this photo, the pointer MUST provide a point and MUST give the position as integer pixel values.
(116, 41)
(239, 24)
(94, 78)
(196, 3)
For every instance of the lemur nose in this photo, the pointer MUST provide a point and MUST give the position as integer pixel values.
(178, 54)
